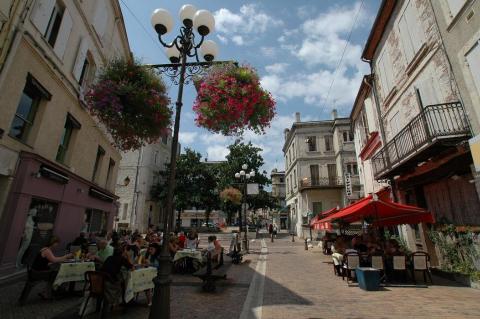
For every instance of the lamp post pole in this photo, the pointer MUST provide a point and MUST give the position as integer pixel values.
(183, 46)
(243, 176)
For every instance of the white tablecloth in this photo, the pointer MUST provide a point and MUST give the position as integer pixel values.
(139, 280)
(195, 254)
(69, 272)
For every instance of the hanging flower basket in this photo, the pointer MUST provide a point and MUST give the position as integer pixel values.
(230, 99)
(231, 195)
(132, 102)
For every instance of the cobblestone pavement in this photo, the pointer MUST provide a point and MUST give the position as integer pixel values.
(298, 284)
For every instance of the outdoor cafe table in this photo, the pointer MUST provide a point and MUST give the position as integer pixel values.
(72, 272)
(190, 253)
(139, 280)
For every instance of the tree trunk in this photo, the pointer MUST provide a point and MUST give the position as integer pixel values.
(179, 220)
(207, 216)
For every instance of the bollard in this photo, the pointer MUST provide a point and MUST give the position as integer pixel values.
(271, 238)
(293, 237)
(306, 244)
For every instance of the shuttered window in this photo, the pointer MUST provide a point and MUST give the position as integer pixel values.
(101, 17)
(411, 31)
(455, 6)
(473, 60)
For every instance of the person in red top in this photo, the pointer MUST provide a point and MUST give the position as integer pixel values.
(181, 240)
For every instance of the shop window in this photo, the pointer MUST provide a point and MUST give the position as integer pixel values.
(95, 221)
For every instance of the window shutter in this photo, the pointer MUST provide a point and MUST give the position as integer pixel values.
(473, 60)
(455, 6)
(81, 55)
(101, 18)
(414, 26)
(64, 34)
(42, 13)
(405, 37)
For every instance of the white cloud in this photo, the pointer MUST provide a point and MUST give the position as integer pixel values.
(276, 68)
(250, 20)
(187, 138)
(268, 52)
(222, 39)
(217, 152)
(238, 40)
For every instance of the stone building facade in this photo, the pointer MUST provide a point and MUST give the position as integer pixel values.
(56, 163)
(318, 157)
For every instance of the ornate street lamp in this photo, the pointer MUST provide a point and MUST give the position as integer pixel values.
(244, 177)
(185, 45)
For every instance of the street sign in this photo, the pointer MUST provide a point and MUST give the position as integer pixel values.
(252, 189)
(348, 184)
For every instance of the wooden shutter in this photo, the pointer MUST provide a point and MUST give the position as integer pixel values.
(473, 60)
(405, 37)
(414, 26)
(81, 55)
(42, 13)
(101, 17)
(63, 35)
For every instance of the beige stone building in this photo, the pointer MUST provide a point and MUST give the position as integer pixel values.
(56, 162)
(319, 159)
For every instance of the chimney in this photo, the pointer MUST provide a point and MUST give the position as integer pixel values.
(297, 116)
(285, 133)
(334, 114)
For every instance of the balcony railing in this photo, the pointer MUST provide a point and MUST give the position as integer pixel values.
(321, 182)
(435, 123)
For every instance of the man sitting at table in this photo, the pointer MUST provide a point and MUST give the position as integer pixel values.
(104, 251)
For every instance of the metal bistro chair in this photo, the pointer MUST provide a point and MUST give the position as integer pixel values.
(95, 280)
(378, 262)
(350, 262)
(420, 260)
(400, 265)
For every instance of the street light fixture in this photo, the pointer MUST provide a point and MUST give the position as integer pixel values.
(244, 177)
(186, 44)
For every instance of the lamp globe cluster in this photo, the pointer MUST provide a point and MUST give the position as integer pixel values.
(202, 21)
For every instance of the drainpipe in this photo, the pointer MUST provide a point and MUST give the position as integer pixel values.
(133, 217)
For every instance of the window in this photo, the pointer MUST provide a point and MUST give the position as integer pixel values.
(295, 177)
(455, 6)
(27, 108)
(347, 136)
(473, 60)
(95, 221)
(316, 207)
(328, 143)
(364, 130)
(282, 180)
(70, 125)
(411, 32)
(125, 211)
(314, 174)
(98, 161)
(53, 26)
(312, 143)
(385, 71)
(111, 166)
(352, 169)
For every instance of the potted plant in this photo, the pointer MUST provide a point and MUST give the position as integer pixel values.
(231, 99)
(132, 102)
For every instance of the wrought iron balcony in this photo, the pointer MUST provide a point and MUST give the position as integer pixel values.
(321, 182)
(435, 127)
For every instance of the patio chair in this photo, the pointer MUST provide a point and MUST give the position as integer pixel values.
(420, 260)
(350, 262)
(95, 281)
(378, 262)
(400, 265)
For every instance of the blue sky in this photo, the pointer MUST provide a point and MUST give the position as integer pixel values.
(295, 46)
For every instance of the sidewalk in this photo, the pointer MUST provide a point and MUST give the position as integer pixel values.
(301, 284)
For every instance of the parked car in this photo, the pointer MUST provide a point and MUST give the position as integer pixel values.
(211, 226)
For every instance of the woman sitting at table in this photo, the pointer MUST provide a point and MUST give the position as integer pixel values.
(43, 266)
(192, 240)
(114, 284)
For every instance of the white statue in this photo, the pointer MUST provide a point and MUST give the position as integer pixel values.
(27, 236)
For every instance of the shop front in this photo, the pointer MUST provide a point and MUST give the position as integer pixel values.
(44, 200)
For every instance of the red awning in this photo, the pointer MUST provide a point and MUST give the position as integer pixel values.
(382, 212)
(315, 222)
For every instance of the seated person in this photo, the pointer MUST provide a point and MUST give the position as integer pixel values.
(104, 251)
(181, 240)
(114, 281)
(42, 265)
(358, 245)
(172, 246)
(338, 250)
(151, 260)
(218, 248)
(213, 248)
(192, 240)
